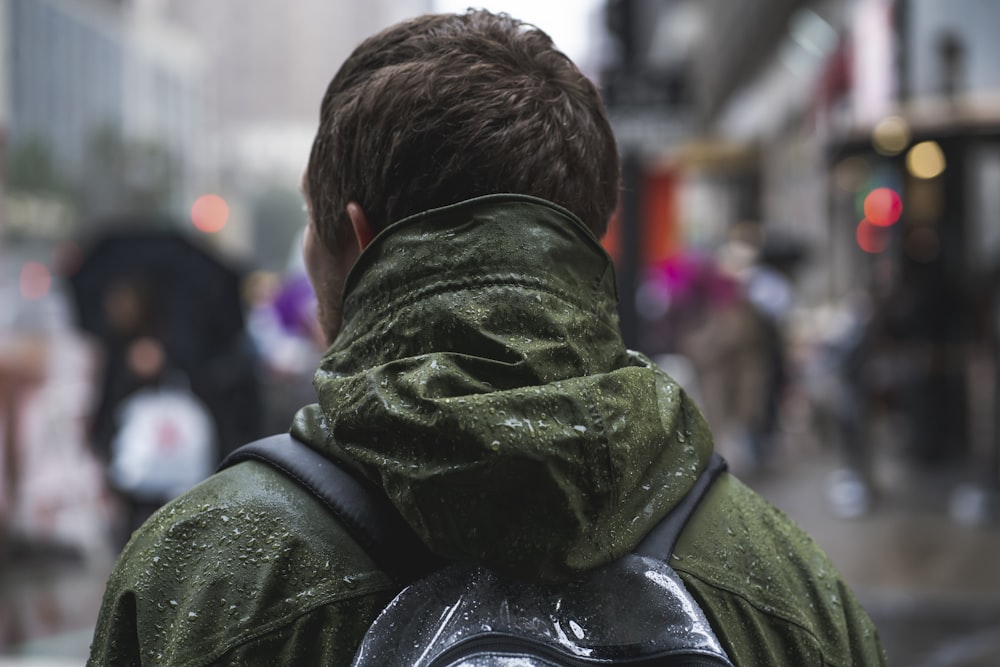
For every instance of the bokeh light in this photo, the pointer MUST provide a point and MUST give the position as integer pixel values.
(210, 213)
(883, 206)
(870, 238)
(891, 136)
(35, 281)
(925, 160)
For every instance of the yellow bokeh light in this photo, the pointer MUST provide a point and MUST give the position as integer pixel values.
(891, 135)
(925, 160)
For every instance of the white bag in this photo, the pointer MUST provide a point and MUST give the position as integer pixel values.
(165, 444)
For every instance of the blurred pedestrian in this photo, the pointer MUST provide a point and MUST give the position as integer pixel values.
(174, 356)
(462, 174)
(846, 377)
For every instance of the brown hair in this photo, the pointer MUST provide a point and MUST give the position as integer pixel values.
(445, 107)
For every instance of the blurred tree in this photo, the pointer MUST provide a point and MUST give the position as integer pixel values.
(117, 177)
(127, 176)
(32, 168)
(38, 202)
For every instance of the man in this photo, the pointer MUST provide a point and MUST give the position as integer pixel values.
(461, 177)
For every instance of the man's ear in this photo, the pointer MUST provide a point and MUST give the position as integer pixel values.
(359, 221)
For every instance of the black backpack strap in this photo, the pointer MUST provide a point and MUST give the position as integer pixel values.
(362, 508)
(373, 521)
(660, 541)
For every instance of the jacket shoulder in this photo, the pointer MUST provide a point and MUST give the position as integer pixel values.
(770, 592)
(237, 564)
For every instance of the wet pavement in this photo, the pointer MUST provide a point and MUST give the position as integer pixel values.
(931, 584)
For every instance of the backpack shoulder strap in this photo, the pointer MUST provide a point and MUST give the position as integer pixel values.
(660, 541)
(372, 520)
(362, 508)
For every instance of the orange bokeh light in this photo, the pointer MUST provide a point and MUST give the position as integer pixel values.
(210, 213)
(872, 238)
(883, 206)
(35, 281)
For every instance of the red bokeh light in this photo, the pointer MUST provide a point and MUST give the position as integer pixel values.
(872, 238)
(883, 206)
(210, 213)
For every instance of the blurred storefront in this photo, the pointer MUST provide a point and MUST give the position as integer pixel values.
(923, 133)
(864, 132)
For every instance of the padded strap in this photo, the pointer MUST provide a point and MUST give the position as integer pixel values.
(660, 541)
(372, 520)
(362, 508)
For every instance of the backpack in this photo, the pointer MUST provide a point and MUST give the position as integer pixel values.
(634, 611)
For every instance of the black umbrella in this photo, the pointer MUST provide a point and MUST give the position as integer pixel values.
(160, 283)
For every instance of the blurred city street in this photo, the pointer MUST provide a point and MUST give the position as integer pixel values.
(807, 239)
(931, 583)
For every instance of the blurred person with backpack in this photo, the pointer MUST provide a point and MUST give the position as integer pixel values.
(476, 378)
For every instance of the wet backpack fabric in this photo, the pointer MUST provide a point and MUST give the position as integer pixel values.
(633, 611)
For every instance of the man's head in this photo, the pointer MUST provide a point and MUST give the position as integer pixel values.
(446, 107)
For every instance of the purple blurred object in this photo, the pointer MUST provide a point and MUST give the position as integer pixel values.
(693, 277)
(295, 305)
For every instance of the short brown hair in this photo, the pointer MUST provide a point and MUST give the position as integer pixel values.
(445, 107)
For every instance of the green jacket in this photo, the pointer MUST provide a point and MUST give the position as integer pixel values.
(480, 379)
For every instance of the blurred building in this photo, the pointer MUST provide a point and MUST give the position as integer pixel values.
(267, 66)
(267, 63)
(97, 83)
(866, 131)
(172, 99)
(4, 106)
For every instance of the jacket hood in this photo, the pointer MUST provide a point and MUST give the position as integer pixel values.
(480, 379)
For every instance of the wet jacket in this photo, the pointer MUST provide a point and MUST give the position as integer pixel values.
(480, 379)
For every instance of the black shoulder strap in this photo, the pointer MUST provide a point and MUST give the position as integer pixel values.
(660, 541)
(374, 522)
(362, 508)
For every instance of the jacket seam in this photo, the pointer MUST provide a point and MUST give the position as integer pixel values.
(773, 612)
(439, 288)
(597, 419)
(277, 624)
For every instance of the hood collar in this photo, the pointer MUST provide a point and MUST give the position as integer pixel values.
(481, 380)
